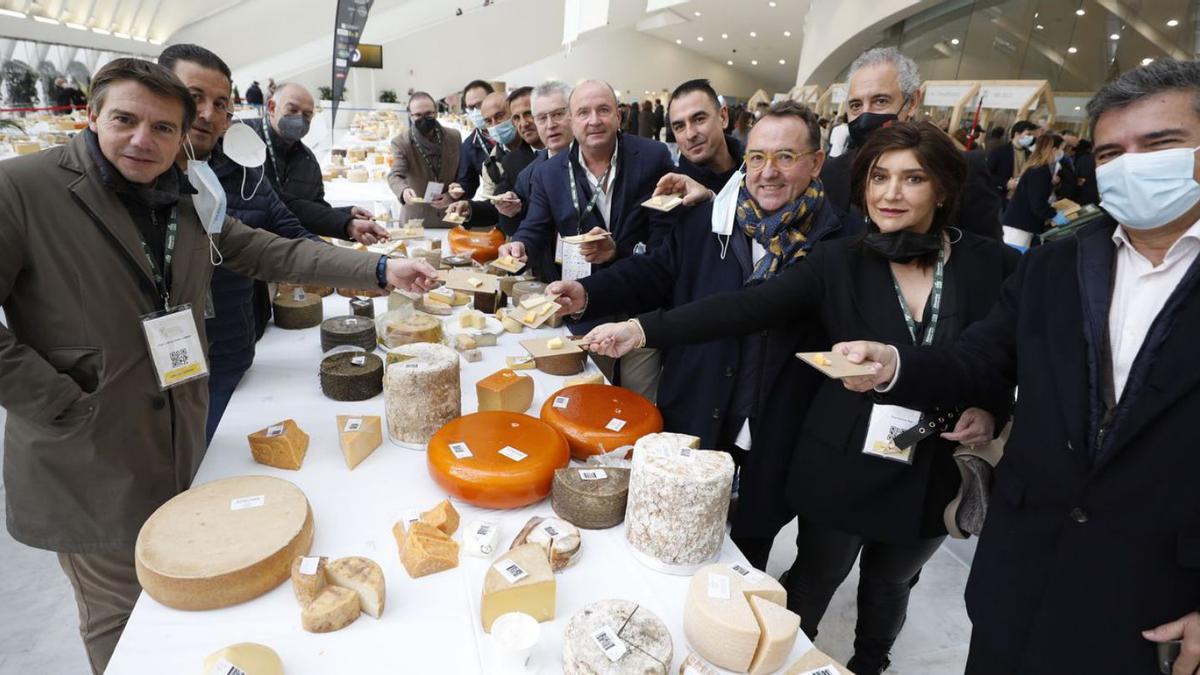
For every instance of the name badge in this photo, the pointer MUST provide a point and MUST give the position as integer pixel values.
(175, 348)
(888, 422)
(574, 266)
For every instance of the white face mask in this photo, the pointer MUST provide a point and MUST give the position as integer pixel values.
(209, 202)
(248, 150)
(725, 208)
(1145, 190)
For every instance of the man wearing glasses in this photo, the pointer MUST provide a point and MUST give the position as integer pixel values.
(762, 222)
(551, 118)
(427, 152)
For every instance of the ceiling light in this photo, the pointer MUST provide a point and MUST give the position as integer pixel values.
(1080, 12)
(787, 33)
(753, 34)
(754, 63)
(678, 42)
(102, 31)
(724, 36)
(955, 41)
(13, 13)
(1040, 27)
(1077, 107)
(123, 36)
(1071, 50)
(76, 26)
(1147, 61)
(696, 13)
(46, 19)
(729, 63)
(1172, 23)
(771, 4)
(783, 62)
(699, 38)
(1114, 36)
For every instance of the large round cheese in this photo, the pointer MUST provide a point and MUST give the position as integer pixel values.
(421, 391)
(482, 246)
(224, 542)
(599, 418)
(297, 309)
(736, 617)
(250, 658)
(640, 638)
(590, 497)
(472, 458)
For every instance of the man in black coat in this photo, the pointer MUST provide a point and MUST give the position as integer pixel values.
(715, 390)
(1004, 160)
(1090, 556)
(551, 117)
(706, 154)
(254, 95)
(477, 145)
(1068, 175)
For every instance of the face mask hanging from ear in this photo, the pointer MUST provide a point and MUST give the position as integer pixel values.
(725, 208)
(209, 202)
(248, 150)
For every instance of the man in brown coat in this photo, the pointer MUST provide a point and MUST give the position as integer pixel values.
(427, 152)
(93, 236)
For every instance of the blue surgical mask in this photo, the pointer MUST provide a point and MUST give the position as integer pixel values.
(1145, 190)
(1026, 141)
(209, 201)
(476, 117)
(503, 133)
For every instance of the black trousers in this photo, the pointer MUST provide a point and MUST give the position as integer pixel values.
(888, 572)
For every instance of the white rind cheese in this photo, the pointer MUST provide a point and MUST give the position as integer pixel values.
(723, 628)
(422, 392)
(645, 639)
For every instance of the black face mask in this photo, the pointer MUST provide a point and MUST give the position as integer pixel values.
(425, 125)
(904, 246)
(862, 126)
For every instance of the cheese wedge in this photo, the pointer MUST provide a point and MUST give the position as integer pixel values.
(308, 578)
(505, 390)
(443, 516)
(779, 628)
(364, 577)
(359, 436)
(281, 445)
(334, 609)
(424, 549)
(521, 581)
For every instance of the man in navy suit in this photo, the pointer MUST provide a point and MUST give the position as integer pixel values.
(1090, 556)
(597, 187)
(551, 115)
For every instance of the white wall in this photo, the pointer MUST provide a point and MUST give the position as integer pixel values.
(836, 31)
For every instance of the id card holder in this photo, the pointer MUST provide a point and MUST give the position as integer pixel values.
(558, 249)
(574, 265)
(175, 348)
(888, 422)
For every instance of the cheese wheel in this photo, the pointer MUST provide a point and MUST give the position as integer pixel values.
(722, 625)
(223, 543)
(351, 376)
(599, 418)
(524, 289)
(485, 476)
(396, 330)
(362, 307)
(481, 246)
(591, 497)
(678, 502)
(561, 540)
(297, 309)
(355, 331)
(645, 639)
(248, 657)
(421, 391)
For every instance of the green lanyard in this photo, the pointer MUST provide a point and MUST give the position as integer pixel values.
(935, 298)
(271, 152)
(161, 275)
(600, 186)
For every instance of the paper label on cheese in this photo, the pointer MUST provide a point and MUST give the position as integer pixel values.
(308, 566)
(358, 360)
(484, 529)
(298, 295)
(510, 570)
(550, 530)
(460, 451)
(353, 425)
(276, 430)
(827, 669)
(592, 474)
(224, 667)
(411, 517)
(749, 574)
(687, 453)
(718, 586)
(512, 453)
(608, 642)
(247, 502)
(561, 402)
(615, 424)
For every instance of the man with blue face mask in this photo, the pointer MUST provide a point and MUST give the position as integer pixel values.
(477, 145)
(1004, 161)
(1089, 561)
(511, 151)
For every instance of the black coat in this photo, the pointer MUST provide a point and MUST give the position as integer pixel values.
(696, 390)
(850, 295)
(475, 151)
(254, 95)
(1078, 556)
(1030, 205)
(1001, 166)
(707, 177)
(1068, 180)
(521, 186)
(1085, 171)
(301, 186)
(484, 212)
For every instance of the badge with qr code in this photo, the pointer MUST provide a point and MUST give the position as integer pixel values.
(175, 348)
(888, 422)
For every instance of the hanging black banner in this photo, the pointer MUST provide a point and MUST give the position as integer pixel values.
(349, 22)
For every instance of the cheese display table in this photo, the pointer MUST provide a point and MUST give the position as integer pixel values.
(431, 624)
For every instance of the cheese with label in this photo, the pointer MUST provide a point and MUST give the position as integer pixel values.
(308, 578)
(667, 442)
(694, 665)
(678, 502)
(600, 418)
(359, 436)
(297, 310)
(638, 640)
(334, 609)
(421, 392)
(249, 657)
(443, 516)
(591, 498)
(817, 662)
(223, 542)
(559, 539)
(779, 627)
(505, 390)
(282, 445)
(590, 378)
(470, 459)
(355, 331)
(520, 581)
(424, 549)
(399, 330)
(351, 376)
(480, 538)
(720, 623)
(364, 577)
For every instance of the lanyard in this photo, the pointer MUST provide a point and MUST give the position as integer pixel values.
(935, 297)
(271, 152)
(602, 185)
(161, 282)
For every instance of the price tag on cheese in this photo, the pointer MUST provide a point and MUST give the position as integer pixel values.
(353, 424)
(460, 450)
(224, 667)
(308, 566)
(718, 586)
(274, 431)
(592, 474)
(615, 424)
(828, 669)
(749, 574)
(484, 529)
(512, 453)
(511, 571)
(247, 502)
(359, 360)
(561, 402)
(298, 295)
(550, 530)
(608, 642)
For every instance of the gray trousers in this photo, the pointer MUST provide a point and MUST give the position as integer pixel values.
(106, 588)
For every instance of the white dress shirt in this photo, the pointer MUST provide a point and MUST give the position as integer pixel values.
(1139, 292)
(604, 203)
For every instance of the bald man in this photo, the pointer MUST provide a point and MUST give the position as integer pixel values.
(500, 112)
(295, 173)
(596, 187)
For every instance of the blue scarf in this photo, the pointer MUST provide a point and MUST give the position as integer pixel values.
(782, 234)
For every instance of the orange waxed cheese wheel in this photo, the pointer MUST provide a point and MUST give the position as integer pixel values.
(483, 247)
(599, 418)
(485, 472)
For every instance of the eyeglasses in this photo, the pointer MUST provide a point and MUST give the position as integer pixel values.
(552, 116)
(784, 159)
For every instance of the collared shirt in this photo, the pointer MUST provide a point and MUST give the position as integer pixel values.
(604, 203)
(1139, 292)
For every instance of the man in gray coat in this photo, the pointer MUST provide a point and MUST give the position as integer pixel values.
(426, 153)
(94, 236)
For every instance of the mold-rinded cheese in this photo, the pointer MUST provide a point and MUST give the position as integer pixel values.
(505, 390)
(334, 609)
(308, 578)
(424, 549)
(599, 418)
(443, 516)
(422, 392)
(779, 627)
(616, 637)
(667, 442)
(280, 445)
(364, 577)
(520, 581)
(223, 543)
(718, 620)
(559, 539)
(250, 658)
(359, 436)
(592, 498)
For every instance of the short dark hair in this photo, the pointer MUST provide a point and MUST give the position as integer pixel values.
(935, 152)
(692, 86)
(421, 94)
(1083, 147)
(788, 108)
(519, 92)
(1148, 80)
(1022, 126)
(150, 75)
(194, 54)
(474, 84)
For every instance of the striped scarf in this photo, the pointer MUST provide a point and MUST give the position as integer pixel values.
(782, 234)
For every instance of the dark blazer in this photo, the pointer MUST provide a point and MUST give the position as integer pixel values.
(707, 177)
(696, 390)
(521, 186)
(1030, 205)
(850, 294)
(303, 188)
(484, 212)
(1078, 555)
(1068, 180)
(474, 152)
(641, 163)
(1001, 167)
(1085, 171)
(254, 95)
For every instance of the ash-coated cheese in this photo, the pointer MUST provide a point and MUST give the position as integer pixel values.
(334, 609)
(421, 392)
(721, 625)
(351, 376)
(282, 445)
(616, 637)
(520, 581)
(592, 498)
(678, 502)
(355, 331)
(359, 436)
(364, 577)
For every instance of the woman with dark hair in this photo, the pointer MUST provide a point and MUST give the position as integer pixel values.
(911, 277)
(1030, 208)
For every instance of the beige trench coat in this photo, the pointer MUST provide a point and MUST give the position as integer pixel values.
(409, 171)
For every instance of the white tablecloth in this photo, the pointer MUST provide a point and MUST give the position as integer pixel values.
(375, 196)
